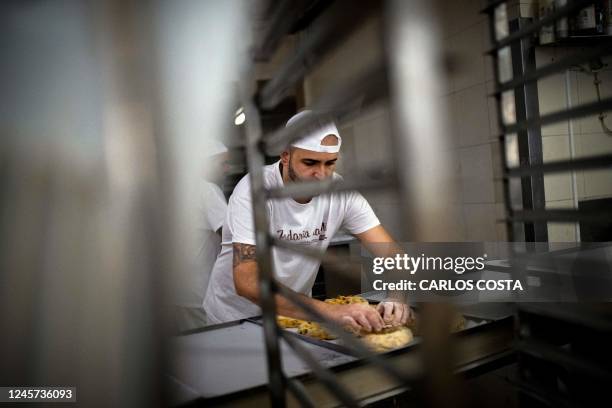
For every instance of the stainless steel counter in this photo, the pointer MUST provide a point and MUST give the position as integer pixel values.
(225, 364)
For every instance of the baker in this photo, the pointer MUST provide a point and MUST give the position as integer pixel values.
(209, 210)
(233, 291)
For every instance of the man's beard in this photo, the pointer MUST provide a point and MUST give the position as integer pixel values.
(293, 176)
(291, 171)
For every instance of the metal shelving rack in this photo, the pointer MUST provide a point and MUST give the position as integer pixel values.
(555, 367)
(328, 27)
(516, 92)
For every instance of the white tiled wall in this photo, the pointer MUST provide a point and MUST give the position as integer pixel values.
(477, 174)
(557, 186)
(480, 222)
(472, 115)
(468, 47)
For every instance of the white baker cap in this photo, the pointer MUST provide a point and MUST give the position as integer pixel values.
(315, 133)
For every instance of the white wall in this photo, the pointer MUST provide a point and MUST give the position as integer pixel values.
(474, 120)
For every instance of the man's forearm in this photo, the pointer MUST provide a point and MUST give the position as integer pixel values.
(287, 308)
(356, 316)
(378, 241)
(246, 282)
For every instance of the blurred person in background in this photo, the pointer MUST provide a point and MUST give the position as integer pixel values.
(211, 209)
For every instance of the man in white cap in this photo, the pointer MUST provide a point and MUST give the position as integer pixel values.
(312, 221)
(210, 210)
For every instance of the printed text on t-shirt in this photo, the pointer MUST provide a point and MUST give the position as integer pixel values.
(318, 234)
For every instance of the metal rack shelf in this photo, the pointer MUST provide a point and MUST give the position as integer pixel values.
(548, 372)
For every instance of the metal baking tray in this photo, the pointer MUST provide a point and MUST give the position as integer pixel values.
(475, 315)
(227, 358)
(222, 360)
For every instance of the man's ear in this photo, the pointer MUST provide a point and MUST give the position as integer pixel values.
(285, 158)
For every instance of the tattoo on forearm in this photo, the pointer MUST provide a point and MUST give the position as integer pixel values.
(243, 253)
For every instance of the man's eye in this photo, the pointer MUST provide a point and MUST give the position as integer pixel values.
(330, 163)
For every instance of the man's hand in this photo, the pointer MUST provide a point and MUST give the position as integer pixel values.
(395, 313)
(357, 317)
(378, 241)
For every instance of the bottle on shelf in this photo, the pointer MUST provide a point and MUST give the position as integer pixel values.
(608, 16)
(591, 20)
(547, 33)
(562, 25)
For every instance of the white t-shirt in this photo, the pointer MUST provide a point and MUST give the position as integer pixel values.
(312, 224)
(211, 215)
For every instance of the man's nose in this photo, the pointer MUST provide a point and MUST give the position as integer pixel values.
(319, 172)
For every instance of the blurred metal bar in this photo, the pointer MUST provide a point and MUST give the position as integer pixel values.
(255, 159)
(82, 256)
(283, 15)
(560, 216)
(420, 128)
(534, 27)
(577, 112)
(596, 162)
(530, 150)
(420, 132)
(491, 6)
(312, 188)
(554, 68)
(336, 103)
(321, 372)
(300, 393)
(328, 31)
(313, 10)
